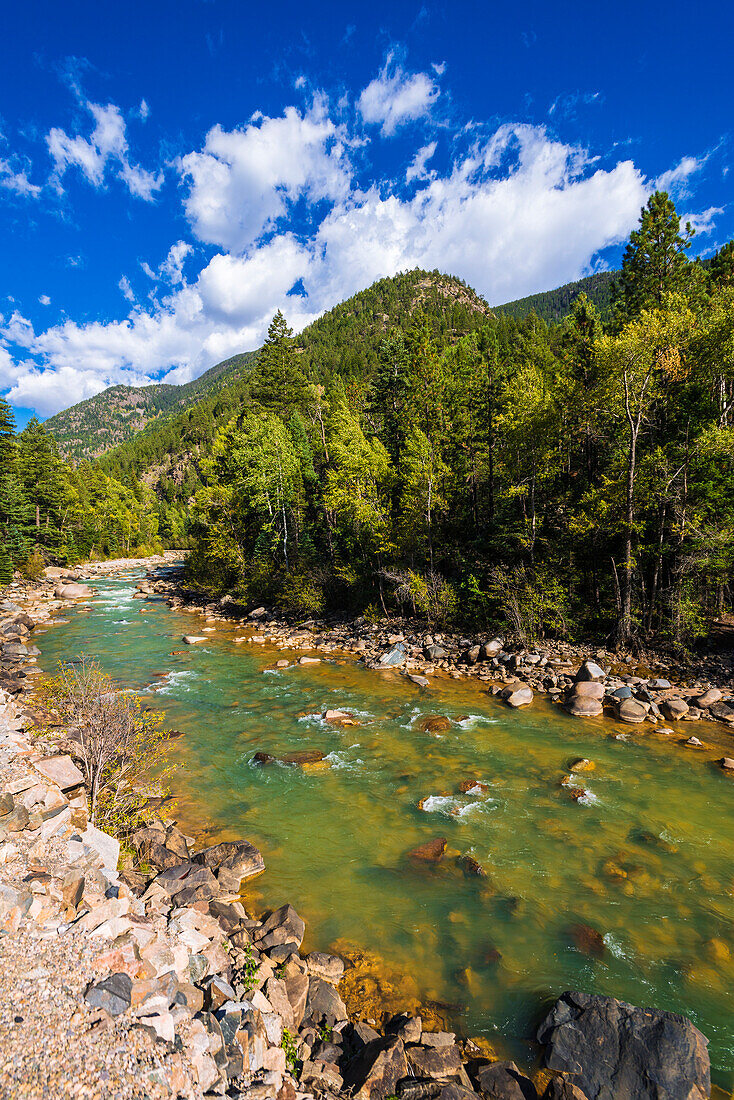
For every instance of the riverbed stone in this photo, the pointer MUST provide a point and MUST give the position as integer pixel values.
(73, 591)
(674, 709)
(376, 1070)
(436, 1062)
(324, 1006)
(503, 1081)
(328, 967)
(193, 639)
(590, 670)
(394, 657)
(631, 711)
(611, 1049)
(233, 862)
(434, 723)
(584, 706)
(282, 926)
(522, 697)
(708, 698)
(430, 852)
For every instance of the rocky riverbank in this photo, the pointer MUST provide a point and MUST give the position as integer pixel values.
(157, 981)
(603, 685)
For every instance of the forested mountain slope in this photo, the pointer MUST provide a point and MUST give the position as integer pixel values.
(554, 305)
(345, 343)
(109, 418)
(347, 336)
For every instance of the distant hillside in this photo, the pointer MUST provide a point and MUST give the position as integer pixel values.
(346, 338)
(554, 305)
(115, 415)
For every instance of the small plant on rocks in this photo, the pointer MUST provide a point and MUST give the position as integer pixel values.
(288, 1044)
(119, 741)
(249, 967)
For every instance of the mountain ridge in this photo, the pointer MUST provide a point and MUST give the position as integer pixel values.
(109, 419)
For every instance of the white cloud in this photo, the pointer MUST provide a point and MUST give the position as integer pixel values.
(44, 300)
(127, 290)
(417, 167)
(143, 110)
(676, 180)
(106, 146)
(172, 267)
(520, 211)
(704, 221)
(15, 178)
(244, 180)
(396, 97)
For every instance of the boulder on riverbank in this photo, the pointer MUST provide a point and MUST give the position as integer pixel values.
(611, 1049)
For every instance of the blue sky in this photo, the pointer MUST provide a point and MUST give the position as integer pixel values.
(171, 173)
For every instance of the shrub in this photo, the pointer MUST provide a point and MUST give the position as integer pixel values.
(34, 565)
(120, 742)
(531, 603)
(429, 595)
(301, 593)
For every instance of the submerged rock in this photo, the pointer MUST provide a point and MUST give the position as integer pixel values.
(587, 940)
(611, 1049)
(434, 723)
(431, 852)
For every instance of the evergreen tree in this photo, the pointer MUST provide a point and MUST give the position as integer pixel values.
(277, 381)
(721, 271)
(654, 262)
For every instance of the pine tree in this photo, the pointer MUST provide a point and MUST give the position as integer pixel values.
(277, 381)
(6, 566)
(654, 261)
(721, 271)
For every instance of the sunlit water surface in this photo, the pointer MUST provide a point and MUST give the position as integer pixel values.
(647, 860)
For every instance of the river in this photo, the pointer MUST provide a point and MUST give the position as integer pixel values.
(646, 859)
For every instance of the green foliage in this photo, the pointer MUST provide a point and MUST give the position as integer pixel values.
(32, 568)
(288, 1043)
(555, 305)
(121, 743)
(6, 566)
(654, 261)
(249, 968)
(532, 604)
(413, 450)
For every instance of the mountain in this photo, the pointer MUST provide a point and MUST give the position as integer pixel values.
(346, 338)
(554, 305)
(115, 415)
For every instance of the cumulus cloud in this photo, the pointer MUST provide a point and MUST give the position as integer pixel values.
(518, 211)
(245, 180)
(395, 97)
(107, 146)
(44, 300)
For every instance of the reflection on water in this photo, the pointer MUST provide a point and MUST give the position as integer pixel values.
(627, 890)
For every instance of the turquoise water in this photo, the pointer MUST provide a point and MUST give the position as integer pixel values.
(646, 859)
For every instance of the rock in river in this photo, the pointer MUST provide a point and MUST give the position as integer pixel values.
(611, 1049)
(434, 723)
(192, 639)
(233, 861)
(523, 696)
(431, 852)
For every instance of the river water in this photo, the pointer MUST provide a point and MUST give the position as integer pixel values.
(646, 859)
